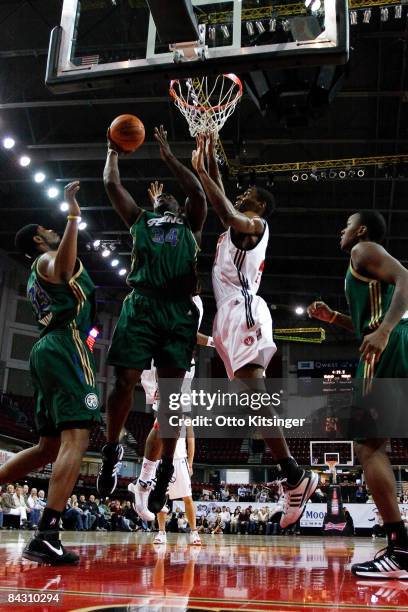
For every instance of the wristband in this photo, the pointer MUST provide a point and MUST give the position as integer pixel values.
(210, 341)
(73, 217)
(334, 317)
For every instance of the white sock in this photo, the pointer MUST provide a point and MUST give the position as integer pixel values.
(148, 469)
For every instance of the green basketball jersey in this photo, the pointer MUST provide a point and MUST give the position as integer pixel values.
(368, 300)
(164, 254)
(59, 306)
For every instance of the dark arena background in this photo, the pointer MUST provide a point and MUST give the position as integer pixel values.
(323, 125)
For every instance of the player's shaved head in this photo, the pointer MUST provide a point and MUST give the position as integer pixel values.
(24, 240)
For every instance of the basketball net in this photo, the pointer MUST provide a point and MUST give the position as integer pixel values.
(206, 103)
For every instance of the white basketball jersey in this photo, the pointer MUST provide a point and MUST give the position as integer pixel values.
(238, 271)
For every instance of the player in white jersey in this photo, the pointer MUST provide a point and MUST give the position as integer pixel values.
(242, 328)
(180, 484)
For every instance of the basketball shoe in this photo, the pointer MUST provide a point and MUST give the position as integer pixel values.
(108, 474)
(195, 539)
(160, 538)
(157, 495)
(140, 491)
(296, 498)
(48, 551)
(389, 562)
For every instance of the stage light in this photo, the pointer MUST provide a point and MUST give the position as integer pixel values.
(353, 18)
(250, 28)
(52, 192)
(360, 173)
(82, 225)
(24, 161)
(314, 176)
(323, 175)
(367, 16)
(114, 263)
(314, 5)
(96, 244)
(398, 11)
(299, 310)
(211, 33)
(64, 206)
(272, 25)
(342, 174)
(225, 31)
(332, 174)
(352, 173)
(106, 253)
(260, 27)
(122, 272)
(286, 25)
(8, 143)
(384, 13)
(304, 176)
(295, 178)
(39, 177)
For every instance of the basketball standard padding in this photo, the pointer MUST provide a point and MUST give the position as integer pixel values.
(127, 132)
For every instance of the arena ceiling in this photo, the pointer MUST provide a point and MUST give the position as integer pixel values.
(65, 137)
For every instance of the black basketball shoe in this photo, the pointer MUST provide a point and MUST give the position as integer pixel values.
(48, 551)
(389, 562)
(157, 496)
(108, 474)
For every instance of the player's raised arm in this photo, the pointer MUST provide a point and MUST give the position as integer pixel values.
(120, 198)
(196, 206)
(249, 223)
(380, 265)
(212, 164)
(59, 268)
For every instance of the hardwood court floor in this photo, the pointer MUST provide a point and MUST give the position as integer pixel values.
(124, 571)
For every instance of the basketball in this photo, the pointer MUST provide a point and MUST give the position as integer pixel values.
(127, 132)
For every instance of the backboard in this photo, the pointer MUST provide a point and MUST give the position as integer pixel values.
(327, 450)
(101, 42)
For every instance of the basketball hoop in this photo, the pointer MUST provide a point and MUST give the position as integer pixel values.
(206, 102)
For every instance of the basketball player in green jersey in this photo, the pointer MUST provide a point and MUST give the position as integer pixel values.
(63, 372)
(377, 293)
(158, 319)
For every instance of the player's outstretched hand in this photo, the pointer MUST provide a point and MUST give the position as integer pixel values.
(155, 190)
(210, 145)
(70, 192)
(160, 135)
(197, 159)
(320, 310)
(112, 146)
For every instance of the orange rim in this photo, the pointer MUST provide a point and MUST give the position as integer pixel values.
(232, 77)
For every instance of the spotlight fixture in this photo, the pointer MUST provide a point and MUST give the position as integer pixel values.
(323, 175)
(342, 174)
(286, 25)
(250, 28)
(398, 11)
(106, 253)
(96, 244)
(52, 192)
(353, 18)
(295, 178)
(114, 263)
(304, 176)
(211, 33)
(8, 143)
(272, 25)
(270, 183)
(24, 161)
(225, 31)
(360, 173)
(352, 173)
(314, 176)
(299, 310)
(384, 13)
(64, 207)
(314, 5)
(367, 16)
(39, 177)
(240, 180)
(122, 272)
(82, 225)
(260, 27)
(332, 174)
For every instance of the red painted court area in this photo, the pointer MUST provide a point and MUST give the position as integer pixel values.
(126, 572)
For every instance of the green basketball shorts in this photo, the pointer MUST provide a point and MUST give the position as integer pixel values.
(152, 328)
(63, 372)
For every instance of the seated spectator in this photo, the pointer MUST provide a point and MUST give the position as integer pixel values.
(224, 493)
(360, 496)
(94, 510)
(182, 523)
(89, 518)
(202, 525)
(263, 495)
(242, 493)
(243, 521)
(36, 507)
(130, 518)
(12, 504)
(72, 516)
(263, 515)
(211, 519)
(253, 522)
(225, 517)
